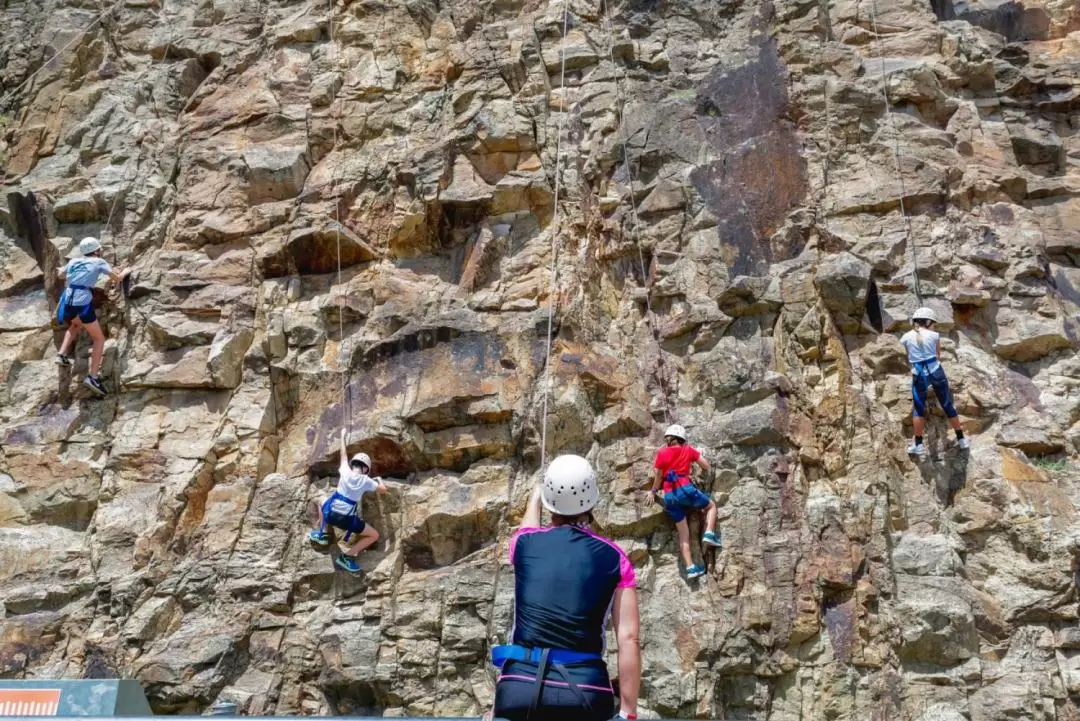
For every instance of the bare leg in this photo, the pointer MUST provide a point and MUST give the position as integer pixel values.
(920, 425)
(98, 339)
(684, 542)
(367, 537)
(69, 336)
(710, 518)
(955, 423)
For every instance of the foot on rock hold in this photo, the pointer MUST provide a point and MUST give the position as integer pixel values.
(916, 449)
(347, 563)
(319, 538)
(711, 538)
(963, 444)
(695, 571)
(63, 360)
(94, 383)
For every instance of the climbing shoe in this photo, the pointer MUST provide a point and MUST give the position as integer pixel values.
(319, 538)
(347, 563)
(916, 449)
(711, 538)
(94, 384)
(695, 571)
(964, 444)
(63, 360)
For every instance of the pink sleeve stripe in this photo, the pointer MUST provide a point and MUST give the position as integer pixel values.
(627, 577)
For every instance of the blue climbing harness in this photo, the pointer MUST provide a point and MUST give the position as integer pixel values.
(924, 368)
(354, 508)
(513, 652)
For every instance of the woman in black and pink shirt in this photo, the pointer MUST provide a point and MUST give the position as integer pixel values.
(567, 582)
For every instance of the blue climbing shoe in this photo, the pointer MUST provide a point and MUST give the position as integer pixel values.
(347, 563)
(695, 571)
(319, 538)
(711, 538)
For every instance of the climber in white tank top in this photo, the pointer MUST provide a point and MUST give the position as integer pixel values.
(923, 346)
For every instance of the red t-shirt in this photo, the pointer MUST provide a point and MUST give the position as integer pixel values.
(678, 459)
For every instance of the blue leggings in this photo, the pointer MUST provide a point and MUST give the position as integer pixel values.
(920, 391)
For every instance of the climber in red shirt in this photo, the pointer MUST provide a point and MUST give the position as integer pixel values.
(671, 471)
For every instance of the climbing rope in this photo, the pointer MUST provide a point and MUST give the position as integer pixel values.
(650, 318)
(100, 16)
(346, 412)
(552, 280)
(896, 153)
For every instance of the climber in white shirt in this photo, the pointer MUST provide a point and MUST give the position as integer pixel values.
(342, 509)
(923, 346)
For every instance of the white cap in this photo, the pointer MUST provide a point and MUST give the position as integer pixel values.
(924, 314)
(361, 458)
(676, 431)
(569, 486)
(89, 245)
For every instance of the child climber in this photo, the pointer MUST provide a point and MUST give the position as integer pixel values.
(672, 469)
(342, 509)
(924, 349)
(77, 306)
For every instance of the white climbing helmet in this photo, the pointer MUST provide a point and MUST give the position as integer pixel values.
(361, 458)
(89, 245)
(924, 313)
(569, 486)
(675, 431)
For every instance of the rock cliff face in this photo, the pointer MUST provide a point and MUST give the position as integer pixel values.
(343, 215)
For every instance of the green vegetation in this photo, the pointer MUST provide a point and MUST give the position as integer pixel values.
(1050, 463)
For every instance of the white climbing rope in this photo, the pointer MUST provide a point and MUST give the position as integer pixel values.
(337, 237)
(896, 152)
(552, 281)
(650, 318)
(100, 16)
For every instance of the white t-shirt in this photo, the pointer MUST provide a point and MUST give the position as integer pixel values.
(353, 486)
(921, 346)
(85, 272)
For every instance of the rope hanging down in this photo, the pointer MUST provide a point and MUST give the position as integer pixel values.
(896, 152)
(650, 318)
(346, 412)
(553, 286)
(100, 16)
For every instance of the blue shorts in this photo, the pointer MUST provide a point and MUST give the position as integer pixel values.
(349, 522)
(678, 500)
(65, 312)
(920, 391)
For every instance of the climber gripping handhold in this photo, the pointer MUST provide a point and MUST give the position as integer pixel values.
(341, 510)
(76, 306)
(673, 487)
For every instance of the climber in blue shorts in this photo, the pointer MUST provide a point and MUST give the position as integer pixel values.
(342, 509)
(671, 471)
(76, 307)
(923, 346)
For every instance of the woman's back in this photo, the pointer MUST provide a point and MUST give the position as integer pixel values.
(565, 579)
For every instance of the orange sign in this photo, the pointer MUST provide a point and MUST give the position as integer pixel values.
(29, 702)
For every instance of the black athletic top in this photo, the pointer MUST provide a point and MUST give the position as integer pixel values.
(564, 585)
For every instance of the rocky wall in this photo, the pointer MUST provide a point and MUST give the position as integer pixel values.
(343, 216)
